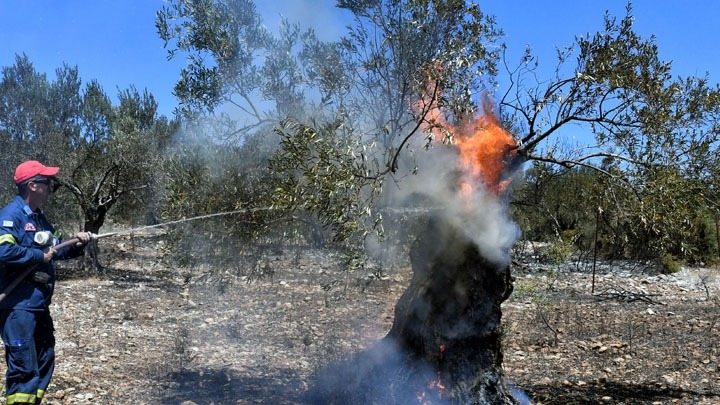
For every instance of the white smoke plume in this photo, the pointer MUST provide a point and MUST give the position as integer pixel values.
(481, 214)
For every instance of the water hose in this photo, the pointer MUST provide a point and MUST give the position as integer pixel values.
(30, 269)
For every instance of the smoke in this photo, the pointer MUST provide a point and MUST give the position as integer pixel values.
(358, 380)
(520, 396)
(480, 213)
(485, 221)
(323, 16)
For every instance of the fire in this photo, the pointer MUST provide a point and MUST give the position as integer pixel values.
(435, 386)
(486, 148)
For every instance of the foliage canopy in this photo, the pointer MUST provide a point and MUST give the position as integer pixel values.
(348, 118)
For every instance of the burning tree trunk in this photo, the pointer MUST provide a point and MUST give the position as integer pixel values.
(450, 317)
(445, 344)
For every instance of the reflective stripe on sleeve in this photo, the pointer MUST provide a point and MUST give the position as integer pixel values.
(7, 238)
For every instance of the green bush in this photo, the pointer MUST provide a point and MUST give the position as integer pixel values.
(558, 252)
(670, 264)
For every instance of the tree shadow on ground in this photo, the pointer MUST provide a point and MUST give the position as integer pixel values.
(611, 392)
(227, 386)
(123, 276)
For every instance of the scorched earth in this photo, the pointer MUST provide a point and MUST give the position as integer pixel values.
(256, 332)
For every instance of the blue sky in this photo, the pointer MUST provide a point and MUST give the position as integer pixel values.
(114, 41)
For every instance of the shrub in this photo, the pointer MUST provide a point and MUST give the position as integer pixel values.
(559, 251)
(670, 264)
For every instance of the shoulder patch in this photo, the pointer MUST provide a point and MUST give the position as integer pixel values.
(7, 224)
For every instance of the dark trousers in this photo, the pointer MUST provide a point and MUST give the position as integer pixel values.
(29, 353)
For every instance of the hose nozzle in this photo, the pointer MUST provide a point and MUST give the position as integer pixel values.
(44, 238)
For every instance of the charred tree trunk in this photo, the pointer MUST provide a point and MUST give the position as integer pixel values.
(450, 318)
(445, 343)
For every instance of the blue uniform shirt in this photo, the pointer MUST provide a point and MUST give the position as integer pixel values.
(18, 225)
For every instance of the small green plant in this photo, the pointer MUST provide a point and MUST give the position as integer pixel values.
(538, 289)
(669, 264)
(560, 250)
(526, 288)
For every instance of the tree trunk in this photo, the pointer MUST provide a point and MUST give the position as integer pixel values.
(94, 220)
(445, 343)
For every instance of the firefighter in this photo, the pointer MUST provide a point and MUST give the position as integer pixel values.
(25, 323)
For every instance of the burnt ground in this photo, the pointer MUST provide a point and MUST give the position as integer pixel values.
(257, 331)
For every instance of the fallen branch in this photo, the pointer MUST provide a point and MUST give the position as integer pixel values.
(623, 295)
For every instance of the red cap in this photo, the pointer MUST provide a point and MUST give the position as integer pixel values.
(27, 170)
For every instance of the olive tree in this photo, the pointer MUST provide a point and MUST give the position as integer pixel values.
(118, 156)
(336, 163)
(107, 153)
(233, 62)
(239, 82)
(652, 134)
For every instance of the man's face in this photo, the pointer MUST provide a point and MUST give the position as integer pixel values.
(40, 188)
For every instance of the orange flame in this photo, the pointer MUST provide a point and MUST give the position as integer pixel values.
(435, 386)
(485, 147)
(485, 150)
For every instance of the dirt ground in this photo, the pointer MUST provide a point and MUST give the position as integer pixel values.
(256, 332)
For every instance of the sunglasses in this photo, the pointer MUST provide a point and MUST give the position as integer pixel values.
(54, 186)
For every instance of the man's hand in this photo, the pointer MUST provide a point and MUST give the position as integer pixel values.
(48, 254)
(83, 238)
